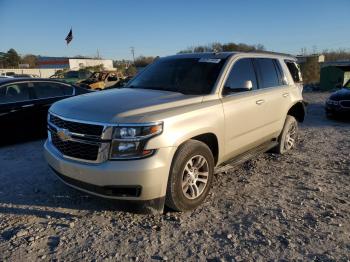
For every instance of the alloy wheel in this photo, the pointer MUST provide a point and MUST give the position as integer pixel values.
(195, 177)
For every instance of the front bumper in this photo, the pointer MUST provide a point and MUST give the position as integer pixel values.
(147, 178)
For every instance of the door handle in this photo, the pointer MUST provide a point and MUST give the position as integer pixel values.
(285, 94)
(30, 105)
(260, 102)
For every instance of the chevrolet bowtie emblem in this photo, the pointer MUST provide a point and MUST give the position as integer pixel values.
(64, 134)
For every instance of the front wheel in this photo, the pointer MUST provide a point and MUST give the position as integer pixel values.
(190, 176)
(288, 138)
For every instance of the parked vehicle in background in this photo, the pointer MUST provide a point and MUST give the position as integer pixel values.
(5, 76)
(72, 77)
(24, 103)
(8, 74)
(101, 80)
(338, 104)
(23, 75)
(158, 139)
(121, 83)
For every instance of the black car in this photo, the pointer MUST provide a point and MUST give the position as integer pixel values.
(24, 103)
(338, 104)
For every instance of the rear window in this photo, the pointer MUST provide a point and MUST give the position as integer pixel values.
(48, 90)
(294, 70)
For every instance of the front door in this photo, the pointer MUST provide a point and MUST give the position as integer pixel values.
(244, 109)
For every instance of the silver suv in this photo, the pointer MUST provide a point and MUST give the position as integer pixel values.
(159, 139)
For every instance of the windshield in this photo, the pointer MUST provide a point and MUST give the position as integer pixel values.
(195, 76)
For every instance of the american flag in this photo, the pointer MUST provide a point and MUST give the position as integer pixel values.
(69, 37)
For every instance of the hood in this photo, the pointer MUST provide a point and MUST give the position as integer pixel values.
(121, 105)
(342, 94)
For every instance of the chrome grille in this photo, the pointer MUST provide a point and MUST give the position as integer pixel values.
(75, 149)
(75, 127)
(82, 141)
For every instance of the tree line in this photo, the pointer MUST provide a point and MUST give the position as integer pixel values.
(11, 59)
(226, 47)
(310, 69)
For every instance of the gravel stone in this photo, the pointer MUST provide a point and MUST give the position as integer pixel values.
(292, 207)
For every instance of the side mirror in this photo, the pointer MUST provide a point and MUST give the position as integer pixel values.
(248, 85)
(245, 86)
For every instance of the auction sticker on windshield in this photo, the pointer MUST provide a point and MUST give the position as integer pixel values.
(209, 60)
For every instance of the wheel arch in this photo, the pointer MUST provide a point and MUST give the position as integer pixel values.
(209, 139)
(298, 111)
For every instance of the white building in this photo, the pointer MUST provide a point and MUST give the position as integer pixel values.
(73, 63)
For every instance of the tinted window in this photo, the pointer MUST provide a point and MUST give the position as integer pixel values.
(195, 76)
(241, 72)
(72, 74)
(67, 90)
(47, 90)
(282, 78)
(268, 73)
(294, 71)
(14, 93)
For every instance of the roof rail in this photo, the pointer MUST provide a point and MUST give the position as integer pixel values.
(271, 53)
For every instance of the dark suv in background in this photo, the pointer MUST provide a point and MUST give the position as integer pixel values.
(338, 104)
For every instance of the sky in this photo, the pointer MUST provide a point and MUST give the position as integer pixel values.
(160, 27)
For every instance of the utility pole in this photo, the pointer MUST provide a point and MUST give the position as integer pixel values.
(133, 53)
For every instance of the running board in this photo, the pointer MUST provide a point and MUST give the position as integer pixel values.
(240, 159)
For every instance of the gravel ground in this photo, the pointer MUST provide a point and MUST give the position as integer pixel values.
(291, 207)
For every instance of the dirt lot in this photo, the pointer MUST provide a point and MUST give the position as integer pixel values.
(292, 207)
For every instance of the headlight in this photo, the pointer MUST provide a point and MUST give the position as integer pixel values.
(129, 141)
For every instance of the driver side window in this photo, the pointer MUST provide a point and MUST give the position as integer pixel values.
(241, 78)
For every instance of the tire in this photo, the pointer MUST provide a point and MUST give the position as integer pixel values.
(288, 137)
(193, 153)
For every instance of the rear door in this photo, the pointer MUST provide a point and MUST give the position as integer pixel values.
(274, 92)
(46, 93)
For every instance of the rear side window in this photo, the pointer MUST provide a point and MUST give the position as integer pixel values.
(241, 72)
(67, 90)
(14, 93)
(269, 76)
(281, 76)
(48, 90)
(294, 70)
